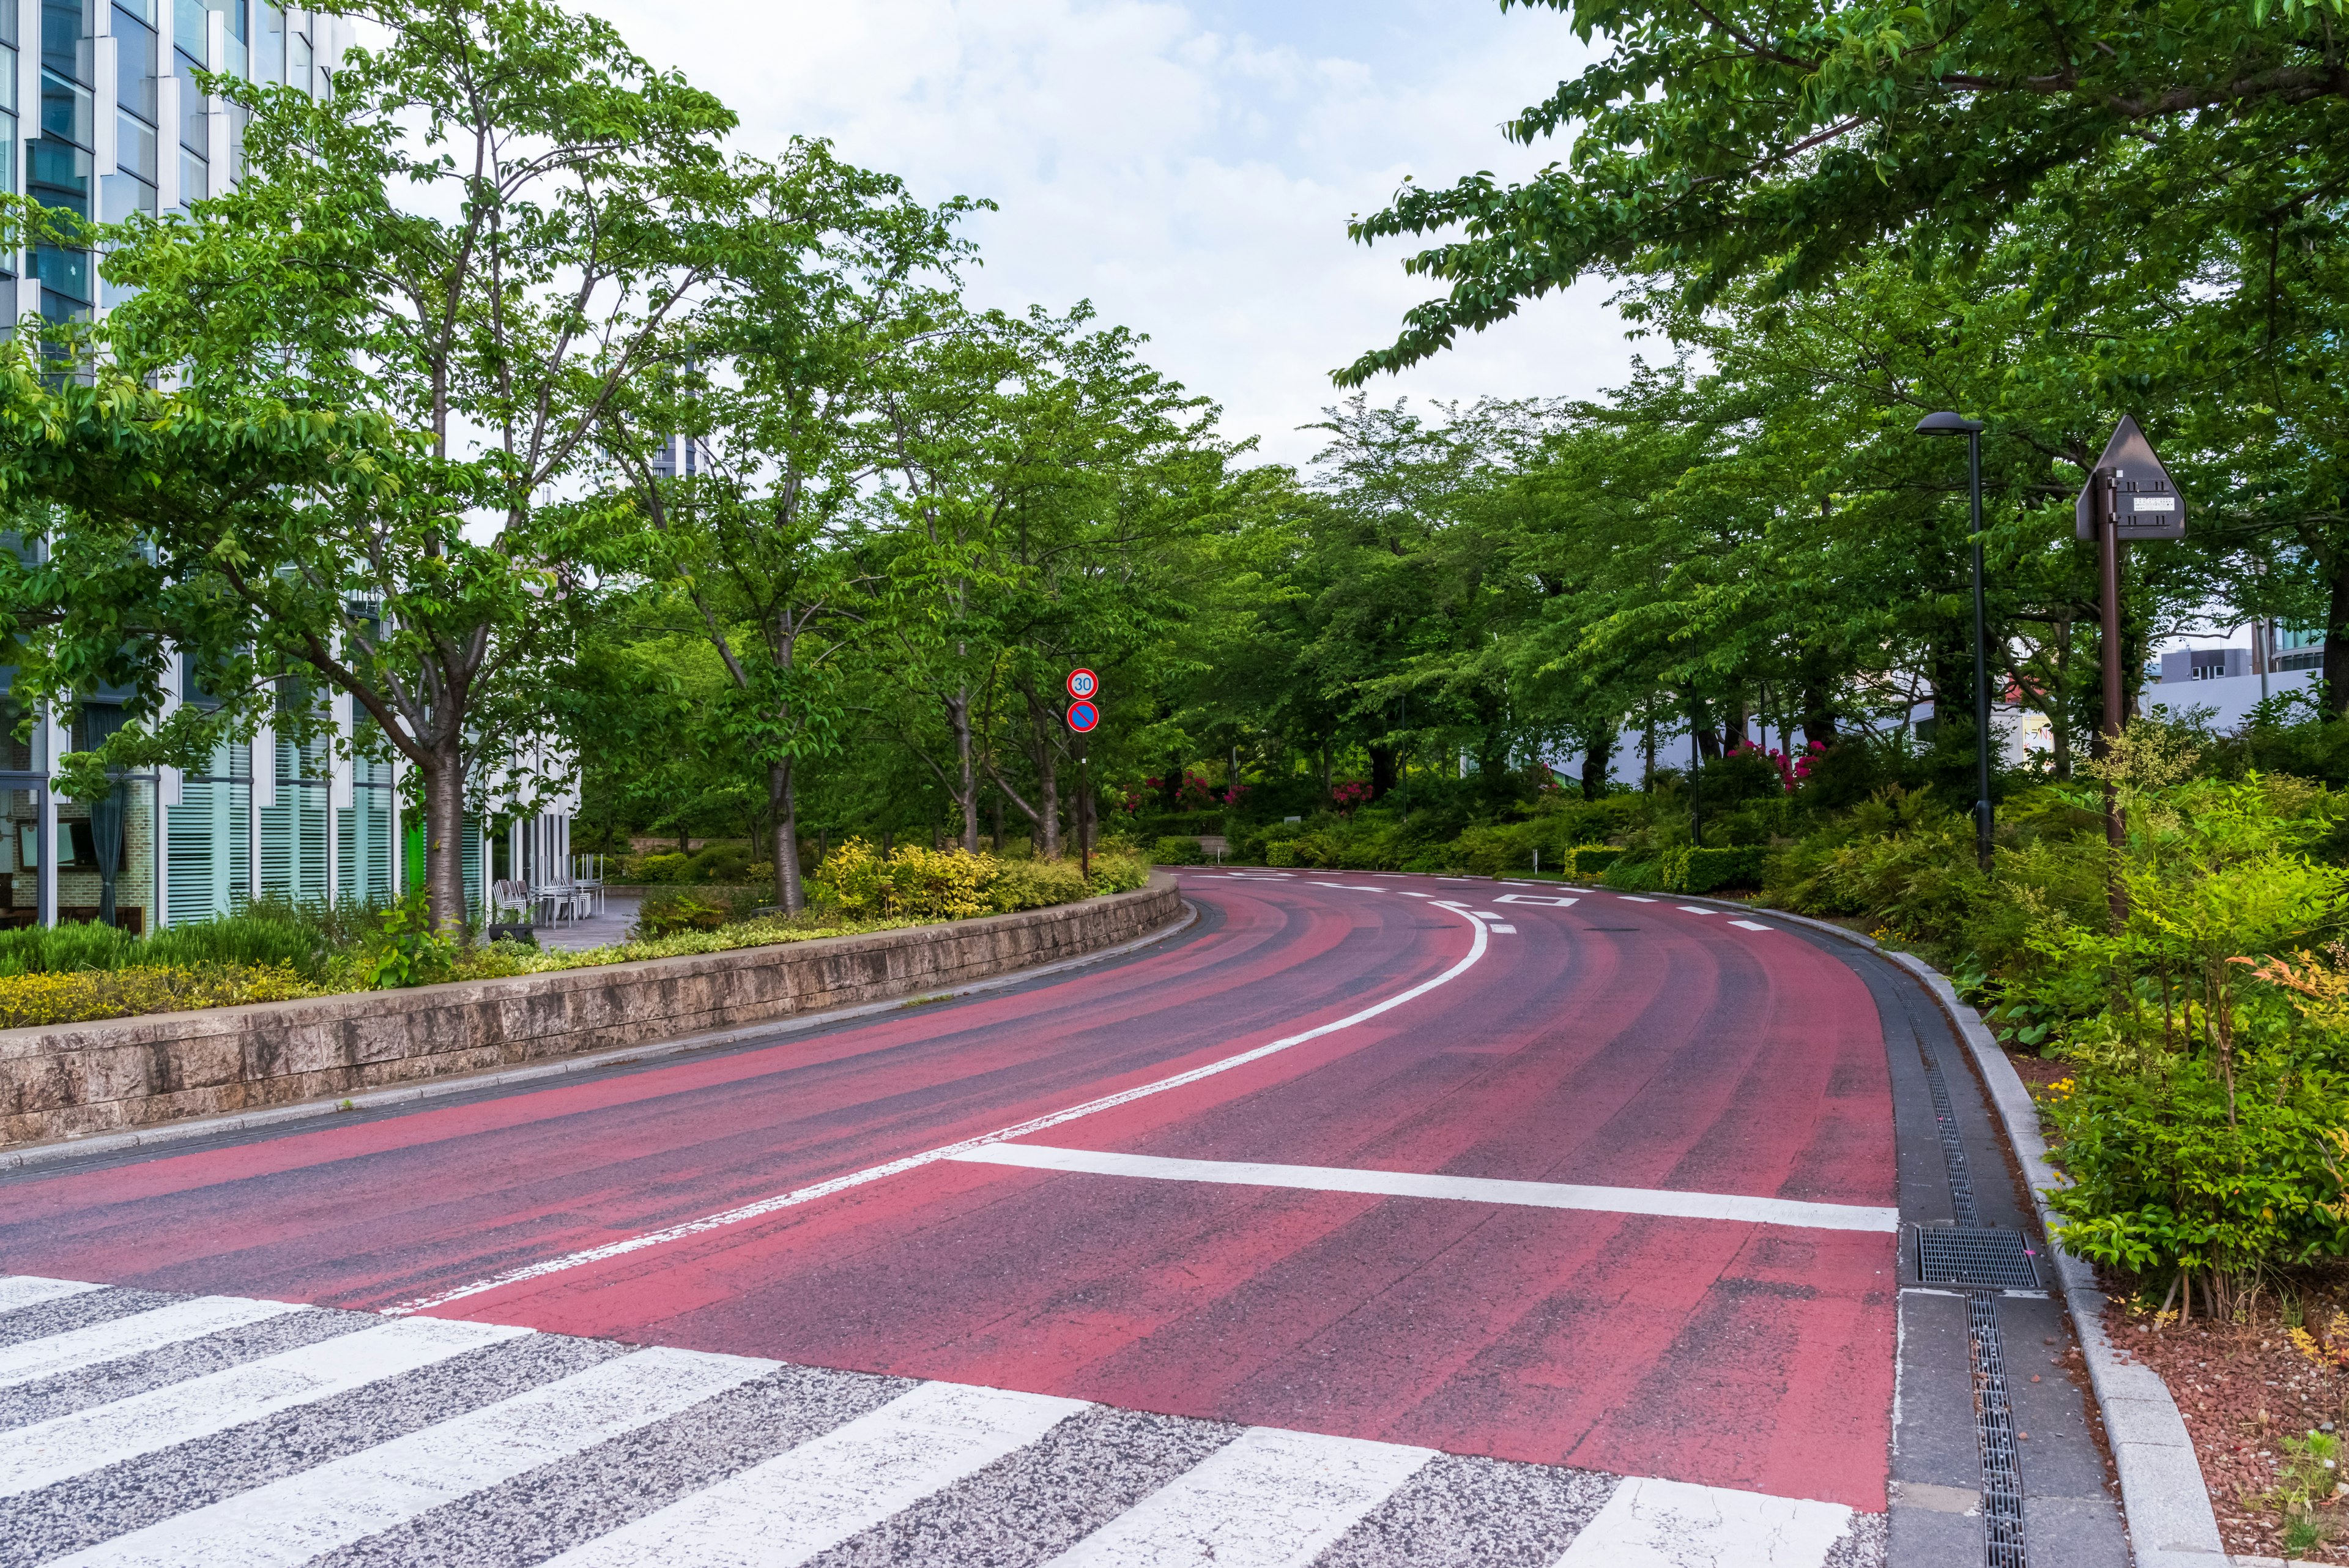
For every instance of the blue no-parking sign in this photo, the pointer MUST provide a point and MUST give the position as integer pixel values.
(1083, 717)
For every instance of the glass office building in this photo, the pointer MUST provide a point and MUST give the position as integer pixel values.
(102, 98)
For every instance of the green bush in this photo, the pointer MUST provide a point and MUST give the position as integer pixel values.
(666, 914)
(1036, 883)
(1704, 870)
(659, 868)
(1172, 850)
(717, 863)
(62, 950)
(1591, 860)
(255, 939)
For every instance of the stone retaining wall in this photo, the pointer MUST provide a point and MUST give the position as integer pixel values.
(70, 1080)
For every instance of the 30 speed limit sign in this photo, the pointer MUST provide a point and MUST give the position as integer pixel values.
(1082, 684)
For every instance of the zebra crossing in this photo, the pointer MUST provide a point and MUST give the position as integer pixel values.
(142, 1430)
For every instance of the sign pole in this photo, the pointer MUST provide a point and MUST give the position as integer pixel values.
(2103, 485)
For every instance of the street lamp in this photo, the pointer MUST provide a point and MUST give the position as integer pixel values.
(1958, 424)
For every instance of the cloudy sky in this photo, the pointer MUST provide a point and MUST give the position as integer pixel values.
(1187, 167)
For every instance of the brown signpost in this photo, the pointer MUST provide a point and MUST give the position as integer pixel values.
(2129, 497)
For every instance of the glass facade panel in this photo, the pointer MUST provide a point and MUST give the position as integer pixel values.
(8, 86)
(269, 47)
(188, 28)
(66, 43)
(297, 61)
(66, 109)
(195, 177)
(123, 194)
(135, 51)
(57, 175)
(134, 148)
(196, 123)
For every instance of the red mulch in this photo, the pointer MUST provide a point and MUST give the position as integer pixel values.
(2241, 1387)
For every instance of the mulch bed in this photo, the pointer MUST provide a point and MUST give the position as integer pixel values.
(2243, 1387)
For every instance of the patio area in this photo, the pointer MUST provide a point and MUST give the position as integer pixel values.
(609, 924)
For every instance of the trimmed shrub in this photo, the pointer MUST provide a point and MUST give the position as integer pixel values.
(41, 950)
(1707, 870)
(1035, 884)
(1591, 859)
(657, 869)
(1172, 850)
(666, 914)
(79, 996)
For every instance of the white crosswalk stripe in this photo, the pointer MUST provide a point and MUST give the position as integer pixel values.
(123, 1336)
(47, 1451)
(1272, 1500)
(31, 1290)
(698, 1460)
(816, 1496)
(347, 1500)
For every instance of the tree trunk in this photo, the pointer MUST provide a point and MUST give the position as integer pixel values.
(968, 799)
(1170, 787)
(783, 801)
(2059, 703)
(2336, 637)
(444, 838)
(1382, 771)
(1596, 758)
(995, 839)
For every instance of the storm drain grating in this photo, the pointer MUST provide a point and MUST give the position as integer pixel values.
(1972, 1259)
(2001, 1466)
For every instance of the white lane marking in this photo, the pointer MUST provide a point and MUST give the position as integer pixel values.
(1407, 893)
(1269, 1499)
(1695, 910)
(1754, 924)
(52, 1450)
(32, 1290)
(1350, 886)
(1541, 898)
(309, 1514)
(809, 1499)
(1454, 905)
(782, 1201)
(1634, 898)
(1672, 1524)
(1504, 929)
(132, 1335)
(1655, 1200)
(1460, 878)
(1489, 914)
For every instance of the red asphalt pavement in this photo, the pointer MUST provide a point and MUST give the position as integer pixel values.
(1681, 1053)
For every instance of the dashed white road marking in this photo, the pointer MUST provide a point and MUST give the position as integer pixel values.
(73, 1445)
(1503, 929)
(1270, 1499)
(1672, 1524)
(809, 1499)
(782, 1201)
(1695, 910)
(1754, 924)
(1634, 898)
(1536, 898)
(311, 1513)
(1660, 1201)
(1488, 914)
(133, 1336)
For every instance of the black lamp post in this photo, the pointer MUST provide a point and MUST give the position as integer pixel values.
(1958, 424)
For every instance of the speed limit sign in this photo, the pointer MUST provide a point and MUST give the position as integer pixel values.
(1082, 683)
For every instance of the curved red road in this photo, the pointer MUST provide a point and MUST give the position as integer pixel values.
(1613, 1042)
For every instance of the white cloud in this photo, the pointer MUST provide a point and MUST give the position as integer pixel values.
(1192, 176)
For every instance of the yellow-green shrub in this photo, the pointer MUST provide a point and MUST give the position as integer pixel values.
(940, 884)
(80, 996)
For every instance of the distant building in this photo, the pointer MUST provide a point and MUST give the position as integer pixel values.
(106, 118)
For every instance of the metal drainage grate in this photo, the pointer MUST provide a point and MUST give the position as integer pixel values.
(1974, 1260)
(2003, 1541)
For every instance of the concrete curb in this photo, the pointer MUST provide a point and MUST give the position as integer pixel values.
(2164, 1498)
(71, 1149)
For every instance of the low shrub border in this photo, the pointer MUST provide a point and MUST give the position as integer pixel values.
(71, 1081)
(2164, 1500)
